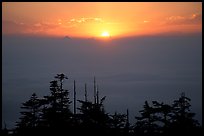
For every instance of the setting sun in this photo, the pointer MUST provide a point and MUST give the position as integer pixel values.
(105, 34)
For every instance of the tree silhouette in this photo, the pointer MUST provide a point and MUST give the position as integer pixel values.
(94, 111)
(182, 118)
(51, 115)
(163, 114)
(146, 123)
(93, 116)
(30, 116)
(56, 113)
(118, 123)
(4, 131)
(118, 120)
(61, 77)
(166, 119)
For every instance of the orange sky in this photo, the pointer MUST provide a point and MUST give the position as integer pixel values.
(91, 19)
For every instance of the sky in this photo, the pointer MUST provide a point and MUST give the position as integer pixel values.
(91, 19)
(136, 51)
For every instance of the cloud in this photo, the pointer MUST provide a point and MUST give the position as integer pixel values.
(45, 25)
(180, 20)
(14, 27)
(41, 27)
(113, 23)
(38, 25)
(10, 27)
(72, 20)
(145, 21)
(83, 20)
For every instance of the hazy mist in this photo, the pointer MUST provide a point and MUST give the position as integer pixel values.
(128, 71)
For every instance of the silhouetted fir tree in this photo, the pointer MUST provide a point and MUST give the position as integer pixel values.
(4, 131)
(93, 116)
(118, 120)
(146, 123)
(182, 118)
(127, 124)
(56, 112)
(118, 123)
(30, 116)
(163, 114)
(167, 119)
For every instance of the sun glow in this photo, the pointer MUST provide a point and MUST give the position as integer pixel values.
(105, 34)
(103, 20)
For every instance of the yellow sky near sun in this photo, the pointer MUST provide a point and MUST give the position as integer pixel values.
(91, 19)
